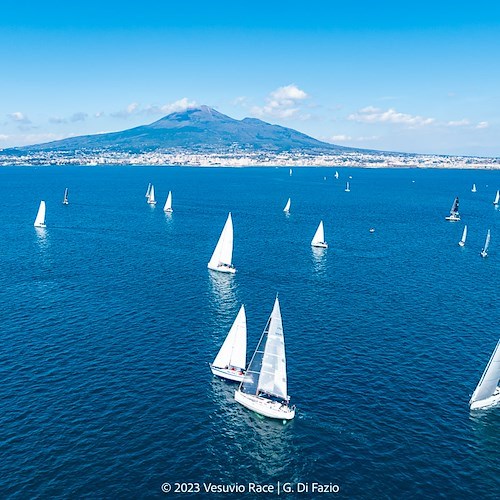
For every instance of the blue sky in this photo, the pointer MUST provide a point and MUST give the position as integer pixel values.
(418, 77)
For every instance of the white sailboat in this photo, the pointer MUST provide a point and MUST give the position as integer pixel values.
(291, 172)
(319, 237)
(223, 253)
(40, 216)
(484, 251)
(65, 199)
(287, 206)
(148, 190)
(264, 387)
(231, 360)
(496, 201)
(168, 203)
(487, 392)
(454, 215)
(464, 237)
(336, 175)
(347, 187)
(473, 190)
(151, 197)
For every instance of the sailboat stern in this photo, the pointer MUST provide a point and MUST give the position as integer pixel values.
(232, 373)
(493, 400)
(264, 406)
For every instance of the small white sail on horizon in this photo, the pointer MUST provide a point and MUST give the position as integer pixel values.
(347, 187)
(319, 237)
(496, 201)
(168, 203)
(148, 190)
(65, 198)
(230, 362)
(40, 216)
(291, 172)
(336, 174)
(484, 251)
(287, 206)
(151, 197)
(222, 257)
(264, 387)
(487, 392)
(454, 215)
(473, 189)
(464, 237)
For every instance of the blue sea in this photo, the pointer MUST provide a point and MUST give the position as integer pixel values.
(109, 319)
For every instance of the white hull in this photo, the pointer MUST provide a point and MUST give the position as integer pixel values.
(484, 254)
(222, 268)
(168, 210)
(42, 225)
(453, 218)
(227, 373)
(152, 202)
(264, 406)
(461, 243)
(486, 403)
(65, 202)
(320, 244)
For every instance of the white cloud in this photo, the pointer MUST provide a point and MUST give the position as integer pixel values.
(19, 117)
(370, 114)
(180, 105)
(460, 123)
(340, 138)
(282, 102)
(124, 113)
(4, 137)
(482, 125)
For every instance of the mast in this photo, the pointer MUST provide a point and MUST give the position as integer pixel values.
(489, 380)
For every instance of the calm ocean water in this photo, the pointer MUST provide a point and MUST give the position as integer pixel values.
(110, 317)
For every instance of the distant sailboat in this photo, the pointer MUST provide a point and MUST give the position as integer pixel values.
(464, 237)
(473, 190)
(484, 251)
(487, 392)
(223, 253)
(336, 175)
(496, 201)
(168, 203)
(347, 187)
(148, 190)
(454, 215)
(287, 206)
(151, 197)
(40, 216)
(319, 237)
(291, 172)
(231, 360)
(65, 199)
(264, 387)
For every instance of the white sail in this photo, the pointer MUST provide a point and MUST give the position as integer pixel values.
(487, 242)
(488, 385)
(287, 206)
(319, 236)
(464, 237)
(473, 188)
(65, 199)
(454, 215)
(148, 190)
(40, 216)
(233, 352)
(223, 253)
(347, 188)
(168, 203)
(291, 172)
(151, 197)
(497, 198)
(336, 175)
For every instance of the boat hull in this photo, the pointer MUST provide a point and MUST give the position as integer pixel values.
(222, 268)
(265, 407)
(484, 254)
(486, 403)
(452, 218)
(320, 245)
(461, 243)
(227, 373)
(168, 210)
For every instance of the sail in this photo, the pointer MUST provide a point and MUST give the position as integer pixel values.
(497, 198)
(223, 253)
(454, 207)
(464, 234)
(287, 206)
(489, 380)
(266, 372)
(148, 190)
(473, 188)
(151, 197)
(319, 236)
(65, 199)
(168, 203)
(336, 175)
(347, 188)
(487, 242)
(40, 216)
(234, 349)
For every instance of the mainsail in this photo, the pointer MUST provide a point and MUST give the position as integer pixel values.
(489, 380)
(223, 253)
(40, 216)
(319, 235)
(168, 203)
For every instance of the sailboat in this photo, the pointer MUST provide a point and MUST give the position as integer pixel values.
(454, 215)
(336, 175)
(40, 216)
(151, 197)
(473, 190)
(231, 360)
(264, 386)
(496, 201)
(347, 188)
(168, 203)
(464, 237)
(484, 251)
(487, 392)
(223, 253)
(291, 172)
(65, 199)
(319, 237)
(287, 206)
(148, 190)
